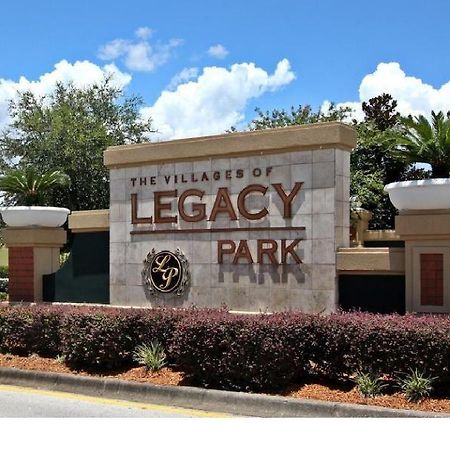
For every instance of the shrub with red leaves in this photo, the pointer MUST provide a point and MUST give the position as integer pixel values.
(248, 353)
(103, 338)
(27, 330)
(382, 344)
(227, 351)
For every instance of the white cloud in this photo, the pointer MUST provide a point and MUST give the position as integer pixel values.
(142, 57)
(188, 73)
(215, 101)
(282, 75)
(113, 49)
(80, 73)
(218, 51)
(355, 107)
(412, 94)
(143, 32)
(139, 55)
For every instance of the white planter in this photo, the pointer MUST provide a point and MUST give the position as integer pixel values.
(421, 194)
(34, 216)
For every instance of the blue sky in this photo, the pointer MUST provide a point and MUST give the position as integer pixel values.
(328, 48)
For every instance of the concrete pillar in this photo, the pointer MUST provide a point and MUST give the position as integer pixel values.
(427, 259)
(33, 252)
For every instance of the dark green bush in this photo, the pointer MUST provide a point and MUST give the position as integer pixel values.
(4, 282)
(4, 271)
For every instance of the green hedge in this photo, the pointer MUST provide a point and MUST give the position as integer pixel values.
(239, 352)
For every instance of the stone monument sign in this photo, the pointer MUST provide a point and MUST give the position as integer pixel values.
(247, 220)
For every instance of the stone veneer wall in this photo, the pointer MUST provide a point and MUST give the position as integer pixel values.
(321, 207)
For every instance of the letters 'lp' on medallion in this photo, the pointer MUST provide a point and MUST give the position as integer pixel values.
(165, 272)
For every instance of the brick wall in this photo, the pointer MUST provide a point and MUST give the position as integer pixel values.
(21, 274)
(432, 279)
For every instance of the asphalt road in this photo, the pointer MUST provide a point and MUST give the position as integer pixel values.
(27, 402)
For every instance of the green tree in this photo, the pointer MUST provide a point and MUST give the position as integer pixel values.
(372, 166)
(424, 141)
(298, 116)
(68, 131)
(376, 140)
(374, 162)
(381, 110)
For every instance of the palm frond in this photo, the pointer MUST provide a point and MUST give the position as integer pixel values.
(28, 187)
(425, 141)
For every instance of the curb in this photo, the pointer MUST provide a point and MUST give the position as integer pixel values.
(238, 403)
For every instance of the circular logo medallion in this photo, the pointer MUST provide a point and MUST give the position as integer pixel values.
(165, 272)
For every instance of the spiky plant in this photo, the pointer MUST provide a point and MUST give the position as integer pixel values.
(369, 385)
(416, 385)
(426, 141)
(152, 356)
(27, 187)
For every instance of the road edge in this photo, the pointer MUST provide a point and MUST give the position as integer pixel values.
(238, 403)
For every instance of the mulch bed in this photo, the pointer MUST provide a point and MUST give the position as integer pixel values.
(344, 392)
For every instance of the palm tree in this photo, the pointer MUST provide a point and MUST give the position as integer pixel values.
(426, 142)
(26, 187)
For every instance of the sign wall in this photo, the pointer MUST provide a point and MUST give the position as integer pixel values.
(250, 221)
